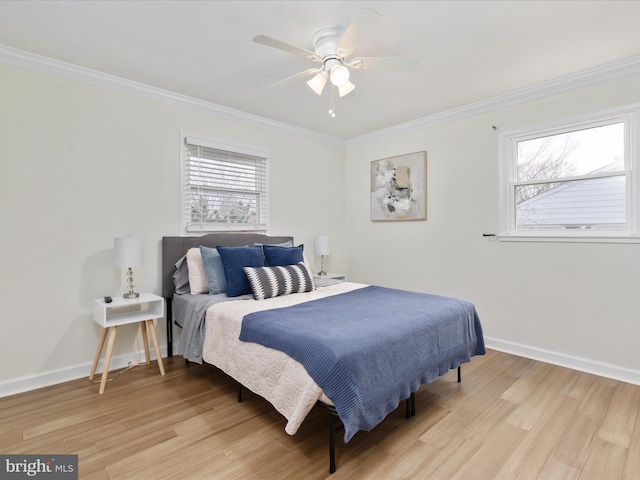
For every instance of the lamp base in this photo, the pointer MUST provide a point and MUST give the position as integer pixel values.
(131, 295)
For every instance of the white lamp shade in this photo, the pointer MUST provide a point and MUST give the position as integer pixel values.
(318, 82)
(127, 252)
(321, 245)
(346, 88)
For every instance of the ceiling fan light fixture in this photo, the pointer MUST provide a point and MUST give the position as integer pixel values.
(339, 75)
(346, 88)
(318, 82)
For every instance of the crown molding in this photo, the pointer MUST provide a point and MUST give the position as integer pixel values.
(603, 73)
(41, 64)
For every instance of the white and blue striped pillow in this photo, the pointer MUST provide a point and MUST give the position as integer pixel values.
(270, 282)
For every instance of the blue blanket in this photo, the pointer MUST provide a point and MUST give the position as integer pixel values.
(370, 348)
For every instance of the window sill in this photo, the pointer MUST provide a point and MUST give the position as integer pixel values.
(593, 238)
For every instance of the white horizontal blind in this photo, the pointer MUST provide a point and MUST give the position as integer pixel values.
(223, 190)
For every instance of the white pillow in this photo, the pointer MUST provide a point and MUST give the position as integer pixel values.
(198, 282)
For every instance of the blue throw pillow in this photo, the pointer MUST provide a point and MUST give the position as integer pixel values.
(282, 256)
(214, 269)
(234, 259)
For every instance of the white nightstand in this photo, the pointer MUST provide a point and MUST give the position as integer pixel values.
(122, 311)
(331, 276)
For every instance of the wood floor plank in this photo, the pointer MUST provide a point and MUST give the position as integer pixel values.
(491, 420)
(410, 464)
(558, 471)
(573, 446)
(476, 401)
(499, 376)
(632, 463)
(533, 407)
(578, 384)
(449, 461)
(138, 425)
(189, 425)
(620, 418)
(408, 435)
(605, 461)
(527, 384)
(528, 460)
(94, 460)
(598, 397)
(9, 438)
(493, 454)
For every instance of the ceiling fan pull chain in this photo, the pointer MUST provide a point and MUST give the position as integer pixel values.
(331, 112)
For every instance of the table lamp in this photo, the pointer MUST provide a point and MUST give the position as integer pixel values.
(321, 247)
(127, 253)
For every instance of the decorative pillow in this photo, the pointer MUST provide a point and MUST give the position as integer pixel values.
(214, 270)
(288, 243)
(181, 277)
(280, 256)
(233, 260)
(198, 282)
(269, 282)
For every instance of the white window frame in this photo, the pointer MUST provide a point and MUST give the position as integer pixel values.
(186, 227)
(508, 142)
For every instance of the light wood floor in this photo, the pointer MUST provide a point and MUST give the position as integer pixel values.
(509, 418)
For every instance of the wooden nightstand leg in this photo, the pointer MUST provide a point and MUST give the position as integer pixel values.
(107, 358)
(96, 359)
(145, 340)
(154, 339)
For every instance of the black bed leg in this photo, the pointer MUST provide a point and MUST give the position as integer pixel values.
(459, 374)
(169, 329)
(410, 404)
(332, 445)
(239, 393)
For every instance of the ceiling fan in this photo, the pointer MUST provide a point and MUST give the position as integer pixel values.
(331, 48)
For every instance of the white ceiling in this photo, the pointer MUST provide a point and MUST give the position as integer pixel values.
(468, 51)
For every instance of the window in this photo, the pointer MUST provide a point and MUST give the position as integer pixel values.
(224, 187)
(571, 181)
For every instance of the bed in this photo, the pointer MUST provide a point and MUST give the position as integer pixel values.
(319, 342)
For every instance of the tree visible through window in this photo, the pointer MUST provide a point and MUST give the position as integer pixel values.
(570, 179)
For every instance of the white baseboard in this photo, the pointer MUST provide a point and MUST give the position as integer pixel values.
(46, 379)
(575, 363)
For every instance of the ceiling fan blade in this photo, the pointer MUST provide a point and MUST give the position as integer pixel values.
(364, 24)
(390, 63)
(293, 78)
(280, 45)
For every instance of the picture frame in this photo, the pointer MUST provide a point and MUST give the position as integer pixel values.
(399, 188)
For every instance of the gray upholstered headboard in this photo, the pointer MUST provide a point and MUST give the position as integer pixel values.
(173, 248)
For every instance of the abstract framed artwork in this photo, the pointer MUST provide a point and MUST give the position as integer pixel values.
(399, 188)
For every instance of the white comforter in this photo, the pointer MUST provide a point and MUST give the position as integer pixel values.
(270, 373)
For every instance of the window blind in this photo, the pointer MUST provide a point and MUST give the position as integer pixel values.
(224, 189)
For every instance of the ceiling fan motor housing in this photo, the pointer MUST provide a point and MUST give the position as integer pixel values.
(325, 44)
